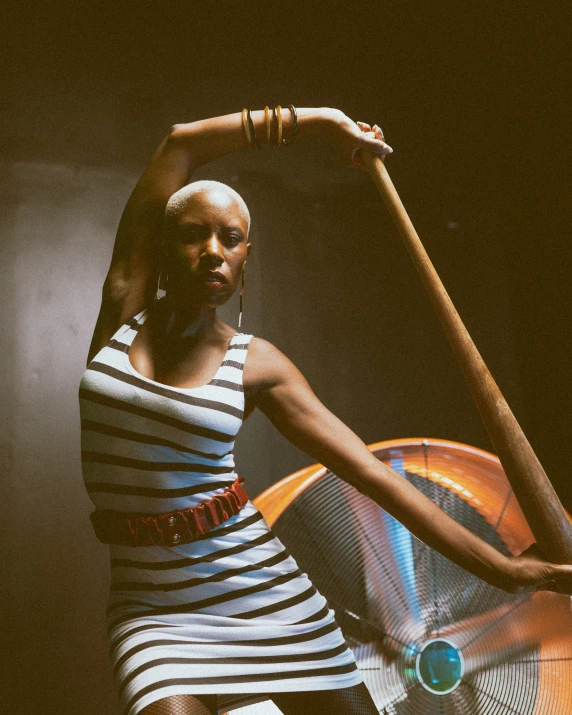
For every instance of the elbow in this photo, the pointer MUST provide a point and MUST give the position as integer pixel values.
(180, 145)
(176, 134)
(182, 136)
(173, 132)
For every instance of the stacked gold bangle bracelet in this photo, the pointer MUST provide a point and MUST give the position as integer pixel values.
(274, 126)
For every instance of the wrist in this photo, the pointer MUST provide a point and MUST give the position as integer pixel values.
(320, 120)
(510, 577)
(308, 121)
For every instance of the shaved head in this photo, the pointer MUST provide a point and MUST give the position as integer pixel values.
(219, 192)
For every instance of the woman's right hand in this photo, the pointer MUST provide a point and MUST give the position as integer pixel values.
(349, 137)
(531, 572)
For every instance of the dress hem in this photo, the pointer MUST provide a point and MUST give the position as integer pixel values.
(285, 686)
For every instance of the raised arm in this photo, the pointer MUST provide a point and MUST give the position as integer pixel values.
(282, 393)
(132, 277)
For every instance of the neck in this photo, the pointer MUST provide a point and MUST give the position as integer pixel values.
(184, 320)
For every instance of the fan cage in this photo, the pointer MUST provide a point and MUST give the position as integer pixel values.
(398, 602)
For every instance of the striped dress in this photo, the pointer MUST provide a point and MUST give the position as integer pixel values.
(229, 613)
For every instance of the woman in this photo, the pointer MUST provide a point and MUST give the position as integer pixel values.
(212, 603)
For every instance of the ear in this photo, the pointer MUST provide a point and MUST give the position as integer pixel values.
(248, 248)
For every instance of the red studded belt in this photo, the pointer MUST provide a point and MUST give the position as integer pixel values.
(172, 528)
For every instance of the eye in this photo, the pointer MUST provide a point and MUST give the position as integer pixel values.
(189, 234)
(233, 239)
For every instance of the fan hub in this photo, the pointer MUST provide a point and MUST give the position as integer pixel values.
(439, 666)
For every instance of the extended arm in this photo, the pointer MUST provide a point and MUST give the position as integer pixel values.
(131, 281)
(285, 397)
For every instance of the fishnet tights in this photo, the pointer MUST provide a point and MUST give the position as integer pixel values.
(342, 701)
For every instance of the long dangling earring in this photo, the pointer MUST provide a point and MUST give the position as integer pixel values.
(162, 282)
(163, 279)
(241, 298)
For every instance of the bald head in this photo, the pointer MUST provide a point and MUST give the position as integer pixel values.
(216, 193)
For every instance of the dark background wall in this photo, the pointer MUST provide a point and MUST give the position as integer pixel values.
(474, 99)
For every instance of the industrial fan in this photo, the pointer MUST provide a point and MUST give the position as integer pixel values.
(429, 637)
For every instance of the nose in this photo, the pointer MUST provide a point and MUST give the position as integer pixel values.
(212, 249)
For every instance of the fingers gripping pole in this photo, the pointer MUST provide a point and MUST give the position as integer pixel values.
(537, 498)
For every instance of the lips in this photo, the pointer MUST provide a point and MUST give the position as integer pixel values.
(214, 278)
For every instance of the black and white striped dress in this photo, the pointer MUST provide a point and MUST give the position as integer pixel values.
(229, 613)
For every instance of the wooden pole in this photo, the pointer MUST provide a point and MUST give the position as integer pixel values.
(539, 502)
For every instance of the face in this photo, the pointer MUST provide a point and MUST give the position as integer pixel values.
(206, 248)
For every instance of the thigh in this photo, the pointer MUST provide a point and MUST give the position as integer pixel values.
(341, 701)
(183, 705)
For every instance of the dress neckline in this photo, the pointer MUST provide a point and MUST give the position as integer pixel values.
(140, 318)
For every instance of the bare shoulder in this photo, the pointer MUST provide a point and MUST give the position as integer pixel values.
(267, 366)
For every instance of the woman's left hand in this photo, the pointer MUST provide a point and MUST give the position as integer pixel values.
(530, 572)
(349, 137)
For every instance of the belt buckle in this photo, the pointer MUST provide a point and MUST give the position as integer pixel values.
(174, 528)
